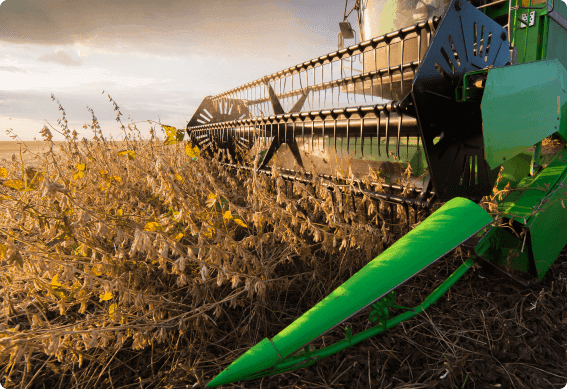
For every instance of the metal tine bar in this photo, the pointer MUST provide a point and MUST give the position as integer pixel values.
(294, 124)
(307, 86)
(279, 137)
(322, 80)
(400, 117)
(387, 113)
(354, 81)
(339, 94)
(381, 86)
(362, 81)
(389, 73)
(345, 83)
(378, 115)
(325, 95)
(323, 136)
(312, 93)
(286, 100)
(335, 133)
(401, 63)
(312, 134)
(372, 78)
(292, 89)
(361, 136)
(347, 137)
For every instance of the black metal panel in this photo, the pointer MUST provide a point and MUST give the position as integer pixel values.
(466, 40)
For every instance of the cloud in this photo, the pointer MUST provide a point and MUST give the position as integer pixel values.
(12, 69)
(233, 28)
(60, 57)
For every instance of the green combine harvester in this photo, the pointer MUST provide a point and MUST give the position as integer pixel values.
(465, 93)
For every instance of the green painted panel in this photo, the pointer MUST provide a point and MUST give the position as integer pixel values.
(496, 247)
(515, 169)
(445, 229)
(548, 229)
(522, 104)
(535, 204)
(529, 40)
(531, 190)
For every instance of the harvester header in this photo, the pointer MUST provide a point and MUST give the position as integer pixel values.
(445, 102)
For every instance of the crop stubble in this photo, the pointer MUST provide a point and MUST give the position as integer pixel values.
(149, 268)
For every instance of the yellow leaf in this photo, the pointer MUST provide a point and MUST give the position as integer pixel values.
(227, 215)
(96, 272)
(54, 281)
(178, 237)
(56, 287)
(209, 232)
(173, 135)
(119, 212)
(192, 151)
(105, 296)
(112, 309)
(104, 186)
(3, 251)
(117, 179)
(129, 153)
(3, 172)
(211, 200)
(178, 177)
(103, 172)
(79, 174)
(15, 184)
(80, 167)
(152, 226)
(240, 223)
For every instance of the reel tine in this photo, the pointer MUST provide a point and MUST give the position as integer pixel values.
(402, 66)
(400, 115)
(387, 112)
(362, 136)
(347, 136)
(378, 116)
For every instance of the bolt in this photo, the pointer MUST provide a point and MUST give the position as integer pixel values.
(503, 36)
(458, 5)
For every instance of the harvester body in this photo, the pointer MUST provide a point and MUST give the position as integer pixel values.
(462, 93)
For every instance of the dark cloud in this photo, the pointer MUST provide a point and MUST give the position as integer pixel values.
(218, 27)
(12, 69)
(60, 57)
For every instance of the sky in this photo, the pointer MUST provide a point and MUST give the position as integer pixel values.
(156, 59)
